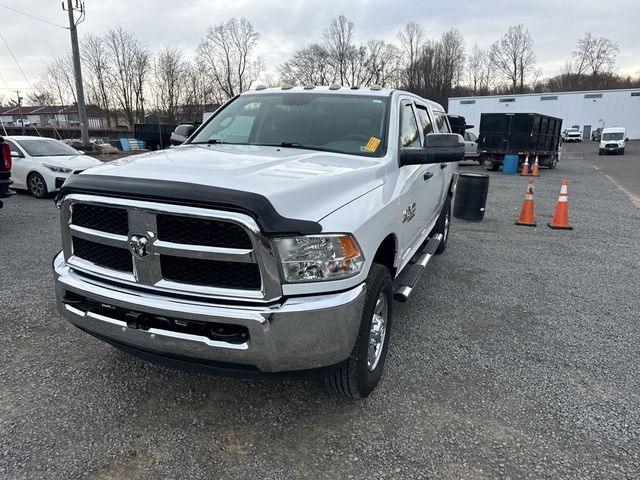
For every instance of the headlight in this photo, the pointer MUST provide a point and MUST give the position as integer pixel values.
(319, 257)
(53, 168)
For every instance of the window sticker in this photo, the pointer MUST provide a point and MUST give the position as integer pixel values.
(371, 145)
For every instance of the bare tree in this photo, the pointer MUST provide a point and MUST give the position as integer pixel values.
(452, 58)
(169, 80)
(141, 61)
(97, 65)
(382, 64)
(513, 56)
(227, 52)
(309, 65)
(343, 54)
(595, 56)
(412, 41)
(55, 83)
(121, 46)
(477, 71)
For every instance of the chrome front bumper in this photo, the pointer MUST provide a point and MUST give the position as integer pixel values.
(302, 333)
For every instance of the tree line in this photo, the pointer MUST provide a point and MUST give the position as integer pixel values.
(122, 74)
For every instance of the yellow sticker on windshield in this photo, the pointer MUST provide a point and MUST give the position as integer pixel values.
(371, 145)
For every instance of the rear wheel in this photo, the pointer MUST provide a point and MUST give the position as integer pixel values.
(362, 371)
(37, 186)
(554, 162)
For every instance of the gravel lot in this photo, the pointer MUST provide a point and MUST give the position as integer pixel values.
(517, 357)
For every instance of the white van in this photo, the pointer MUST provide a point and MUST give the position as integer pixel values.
(613, 140)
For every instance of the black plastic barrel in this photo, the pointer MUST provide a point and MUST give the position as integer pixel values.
(471, 196)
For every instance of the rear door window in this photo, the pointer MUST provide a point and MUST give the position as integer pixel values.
(441, 122)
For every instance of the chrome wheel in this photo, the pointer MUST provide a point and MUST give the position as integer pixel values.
(378, 332)
(36, 186)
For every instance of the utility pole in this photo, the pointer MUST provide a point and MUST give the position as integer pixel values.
(20, 110)
(77, 68)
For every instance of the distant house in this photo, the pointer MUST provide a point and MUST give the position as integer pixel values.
(58, 116)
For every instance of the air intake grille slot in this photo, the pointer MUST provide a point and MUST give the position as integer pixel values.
(105, 219)
(200, 231)
(245, 276)
(103, 255)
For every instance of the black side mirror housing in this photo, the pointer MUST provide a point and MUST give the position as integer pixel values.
(439, 148)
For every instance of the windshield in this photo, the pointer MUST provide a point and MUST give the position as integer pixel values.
(354, 124)
(613, 136)
(47, 147)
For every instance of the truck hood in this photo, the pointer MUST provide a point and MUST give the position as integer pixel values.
(299, 183)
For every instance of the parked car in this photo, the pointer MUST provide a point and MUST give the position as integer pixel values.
(22, 122)
(41, 165)
(273, 242)
(5, 170)
(572, 135)
(182, 132)
(613, 140)
(470, 145)
(596, 134)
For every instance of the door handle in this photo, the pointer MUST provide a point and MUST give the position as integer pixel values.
(443, 165)
(427, 175)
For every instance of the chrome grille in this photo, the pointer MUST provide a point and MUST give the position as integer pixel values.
(167, 247)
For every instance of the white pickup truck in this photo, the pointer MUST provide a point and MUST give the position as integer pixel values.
(274, 241)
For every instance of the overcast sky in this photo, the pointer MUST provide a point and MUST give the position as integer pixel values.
(288, 25)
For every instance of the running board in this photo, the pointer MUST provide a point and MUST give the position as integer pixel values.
(410, 275)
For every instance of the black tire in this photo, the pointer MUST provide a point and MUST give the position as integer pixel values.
(599, 152)
(554, 162)
(495, 166)
(442, 226)
(37, 186)
(622, 152)
(355, 380)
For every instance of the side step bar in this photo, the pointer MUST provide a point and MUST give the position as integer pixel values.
(410, 275)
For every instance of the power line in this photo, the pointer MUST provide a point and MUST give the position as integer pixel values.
(16, 60)
(34, 17)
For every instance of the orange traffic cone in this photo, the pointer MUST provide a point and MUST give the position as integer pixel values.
(527, 215)
(561, 216)
(525, 168)
(534, 172)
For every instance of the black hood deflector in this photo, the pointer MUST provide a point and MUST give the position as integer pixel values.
(191, 194)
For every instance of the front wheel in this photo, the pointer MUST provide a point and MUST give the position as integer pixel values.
(361, 373)
(37, 186)
(554, 162)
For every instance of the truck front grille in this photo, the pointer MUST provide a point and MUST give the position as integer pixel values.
(611, 145)
(169, 247)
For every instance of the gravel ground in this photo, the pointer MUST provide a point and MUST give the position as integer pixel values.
(517, 357)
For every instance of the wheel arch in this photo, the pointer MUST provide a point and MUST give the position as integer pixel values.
(386, 253)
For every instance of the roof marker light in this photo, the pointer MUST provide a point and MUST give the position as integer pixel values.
(375, 87)
(287, 87)
(309, 86)
(261, 87)
(335, 86)
(355, 87)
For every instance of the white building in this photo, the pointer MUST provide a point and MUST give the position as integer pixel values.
(584, 110)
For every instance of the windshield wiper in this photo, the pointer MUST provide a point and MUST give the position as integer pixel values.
(213, 141)
(298, 145)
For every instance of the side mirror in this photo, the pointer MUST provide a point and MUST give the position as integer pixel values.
(439, 148)
(626, 139)
(15, 154)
